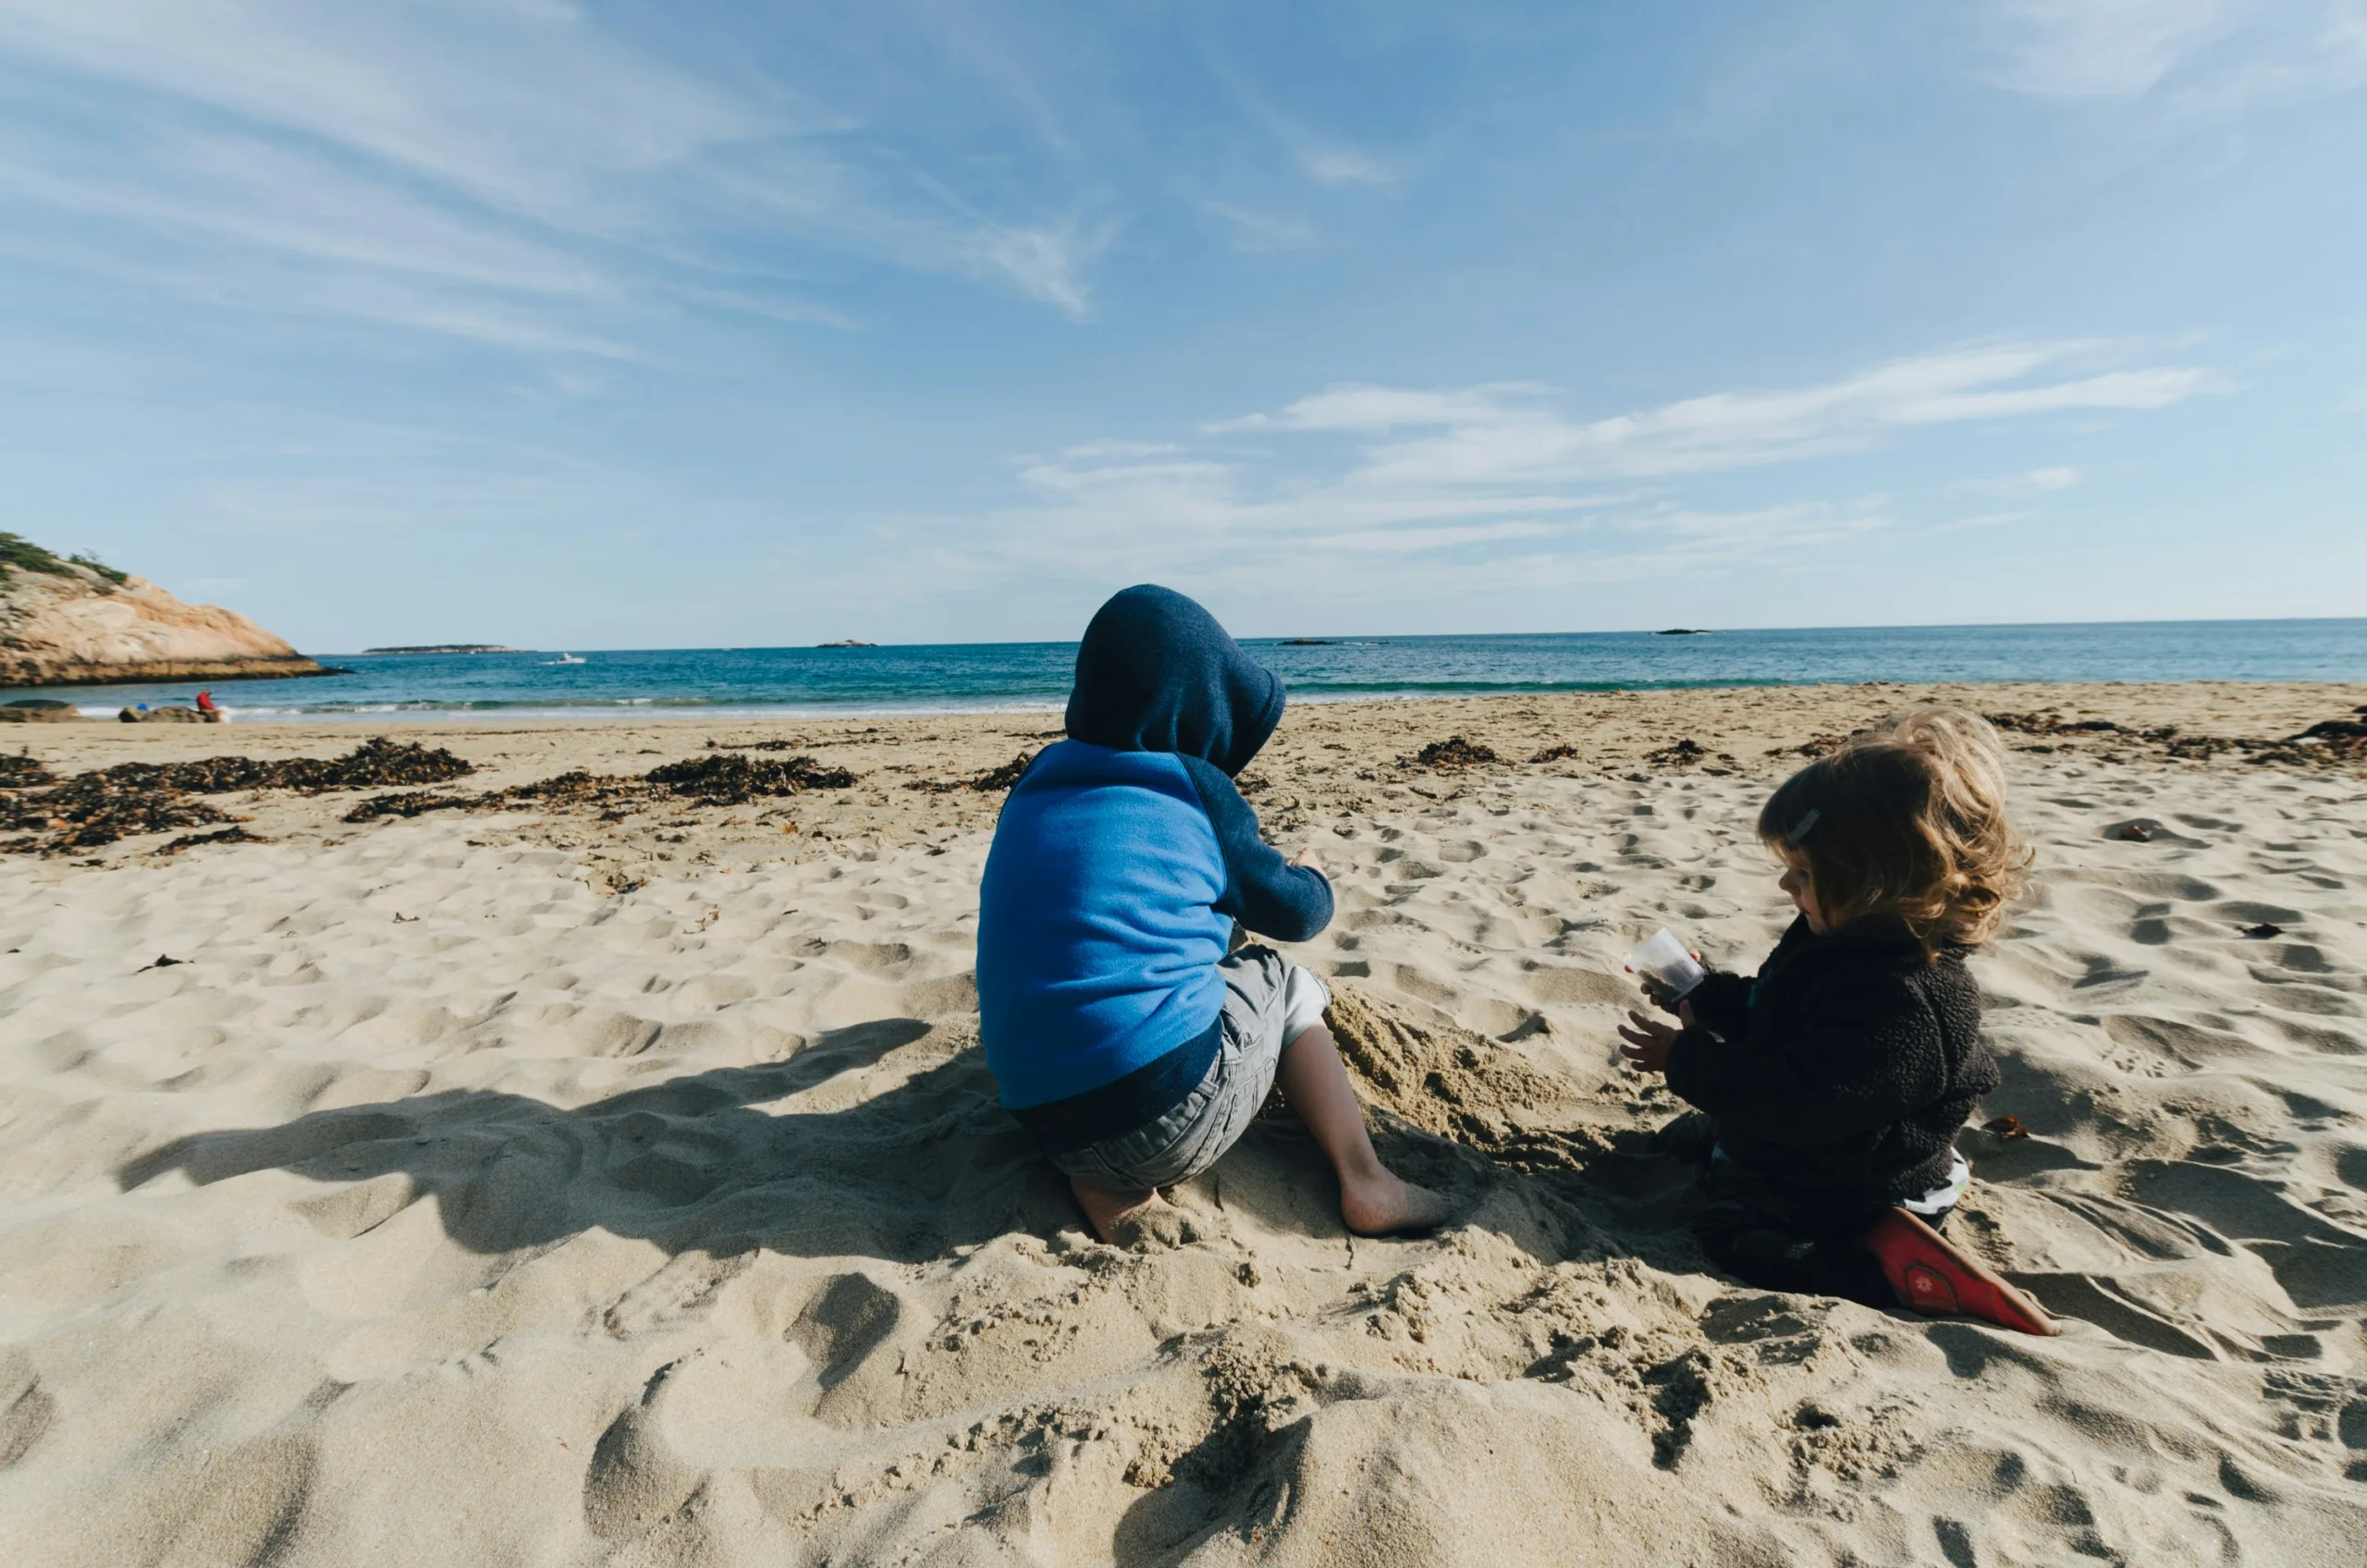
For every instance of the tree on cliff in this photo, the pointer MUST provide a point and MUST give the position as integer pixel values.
(19, 553)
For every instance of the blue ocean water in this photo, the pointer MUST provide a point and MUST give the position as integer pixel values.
(713, 682)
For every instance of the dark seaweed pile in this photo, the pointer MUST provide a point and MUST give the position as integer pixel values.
(22, 772)
(1687, 753)
(986, 783)
(91, 810)
(731, 779)
(231, 834)
(724, 779)
(1556, 754)
(130, 799)
(375, 763)
(1814, 746)
(2054, 724)
(2328, 745)
(408, 804)
(1452, 752)
(2331, 743)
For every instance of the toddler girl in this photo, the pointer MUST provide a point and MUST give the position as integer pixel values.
(1831, 1084)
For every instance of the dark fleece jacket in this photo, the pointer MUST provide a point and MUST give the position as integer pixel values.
(1840, 1075)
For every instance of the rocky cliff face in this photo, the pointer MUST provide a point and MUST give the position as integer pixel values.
(65, 622)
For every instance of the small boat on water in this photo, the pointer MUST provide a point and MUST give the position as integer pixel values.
(565, 658)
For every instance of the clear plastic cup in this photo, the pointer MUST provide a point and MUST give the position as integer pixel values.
(1664, 959)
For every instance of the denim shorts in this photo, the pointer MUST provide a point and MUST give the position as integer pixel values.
(1269, 1003)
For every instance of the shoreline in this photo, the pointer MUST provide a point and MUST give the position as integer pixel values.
(666, 710)
(143, 676)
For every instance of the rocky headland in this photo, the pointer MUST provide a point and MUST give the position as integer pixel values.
(76, 621)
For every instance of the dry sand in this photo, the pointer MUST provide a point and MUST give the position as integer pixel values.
(513, 1187)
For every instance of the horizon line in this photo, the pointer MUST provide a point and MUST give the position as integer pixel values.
(1344, 637)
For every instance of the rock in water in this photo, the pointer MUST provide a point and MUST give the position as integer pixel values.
(38, 710)
(78, 623)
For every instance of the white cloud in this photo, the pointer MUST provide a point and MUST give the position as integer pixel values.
(911, 220)
(1045, 265)
(1315, 546)
(1509, 432)
(772, 307)
(1257, 231)
(1390, 493)
(1366, 410)
(1326, 159)
(2220, 56)
(520, 103)
(242, 192)
(497, 144)
(1339, 166)
(2104, 48)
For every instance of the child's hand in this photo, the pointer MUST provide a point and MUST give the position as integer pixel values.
(1649, 1041)
(1655, 989)
(1305, 857)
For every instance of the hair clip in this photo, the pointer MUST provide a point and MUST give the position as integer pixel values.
(1792, 839)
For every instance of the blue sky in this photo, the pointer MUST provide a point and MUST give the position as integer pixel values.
(687, 323)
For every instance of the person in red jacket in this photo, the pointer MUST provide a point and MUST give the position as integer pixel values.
(205, 703)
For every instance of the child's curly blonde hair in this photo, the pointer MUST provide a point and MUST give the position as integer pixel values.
(1906, 820)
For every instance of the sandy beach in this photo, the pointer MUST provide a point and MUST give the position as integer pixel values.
(609, 1175)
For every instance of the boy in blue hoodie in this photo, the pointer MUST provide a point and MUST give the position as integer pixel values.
(1118, 1030)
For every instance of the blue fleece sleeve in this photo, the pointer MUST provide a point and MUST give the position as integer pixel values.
(1263, 891)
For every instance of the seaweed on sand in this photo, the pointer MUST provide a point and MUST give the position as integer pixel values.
(134, 798)
(410, 803)
(231, 834)
(731, 779)
(722, 779)
(1451, 752)
(986, 783)
(89, 811)
(1688, 753)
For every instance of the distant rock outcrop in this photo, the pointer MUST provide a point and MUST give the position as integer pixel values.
(78, 622)
(449, 648)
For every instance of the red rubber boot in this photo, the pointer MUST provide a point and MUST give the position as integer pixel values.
(1934, 1278)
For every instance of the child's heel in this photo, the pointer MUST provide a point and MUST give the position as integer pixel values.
(1932, 1277)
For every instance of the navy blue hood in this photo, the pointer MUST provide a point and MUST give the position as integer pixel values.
(1157, 673)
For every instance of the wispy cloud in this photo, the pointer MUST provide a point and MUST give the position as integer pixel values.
(1391, 493)
(1261, 231)
(1336, 165)
(1495, 433)
(2103, 48)
(1325, 158)
(242, 193)
(2208, 54)
(522, 152)
(519, 102)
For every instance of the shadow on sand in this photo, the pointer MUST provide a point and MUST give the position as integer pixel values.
(927, 1165)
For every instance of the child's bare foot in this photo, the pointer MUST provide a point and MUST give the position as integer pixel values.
(1386, 1206)
(1126, 1219)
